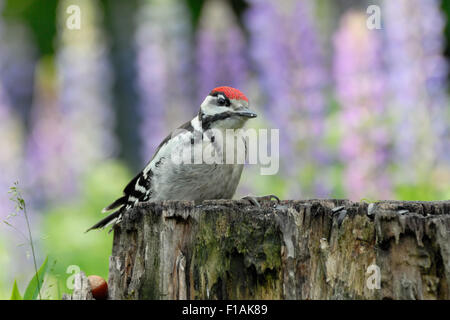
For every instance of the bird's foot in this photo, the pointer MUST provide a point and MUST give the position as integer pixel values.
(256, 200)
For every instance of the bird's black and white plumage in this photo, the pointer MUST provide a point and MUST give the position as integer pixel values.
(165, 179)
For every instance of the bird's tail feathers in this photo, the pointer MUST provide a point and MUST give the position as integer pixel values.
(110, 219)
(119, 202)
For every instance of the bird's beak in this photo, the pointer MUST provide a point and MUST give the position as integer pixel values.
(246, 113)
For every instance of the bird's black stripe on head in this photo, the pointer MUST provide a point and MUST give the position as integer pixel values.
(218, 93)
(207, 120)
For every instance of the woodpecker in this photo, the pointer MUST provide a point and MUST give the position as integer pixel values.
(162, 179)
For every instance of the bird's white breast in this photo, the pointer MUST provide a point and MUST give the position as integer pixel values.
(191, 181)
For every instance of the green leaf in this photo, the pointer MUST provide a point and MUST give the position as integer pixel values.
(32, 291)
(15, 295)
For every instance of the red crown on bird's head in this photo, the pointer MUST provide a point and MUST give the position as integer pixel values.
(230, 93)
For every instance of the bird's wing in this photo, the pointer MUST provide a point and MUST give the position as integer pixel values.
(140, 187)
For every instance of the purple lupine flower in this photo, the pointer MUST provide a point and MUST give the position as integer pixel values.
(17, 64)
(72, 124)
(14, 65)
(287, 54)
(269, 50)
(417, 73)
(48, 173)
(220, 51)
(11, 127)
(359, 87)
(309, 80)
(163, 51)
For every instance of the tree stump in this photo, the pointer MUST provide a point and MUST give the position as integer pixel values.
(315, 249)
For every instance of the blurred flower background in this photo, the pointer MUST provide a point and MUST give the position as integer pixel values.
(363, 113)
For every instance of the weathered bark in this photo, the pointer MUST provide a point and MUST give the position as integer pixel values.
(315, 249)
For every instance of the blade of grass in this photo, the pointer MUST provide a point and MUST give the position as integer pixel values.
(15, 295)
(21, 206)
(24, 208)
(35, 285)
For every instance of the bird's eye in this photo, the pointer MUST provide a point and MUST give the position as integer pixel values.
(221, 101)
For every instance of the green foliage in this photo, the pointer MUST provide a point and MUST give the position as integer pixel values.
(263, 185)
(39, 16)
(446, 9)
(15, 295)
(424, 191)
(64, 225)
(5, 260)
(34, 287)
